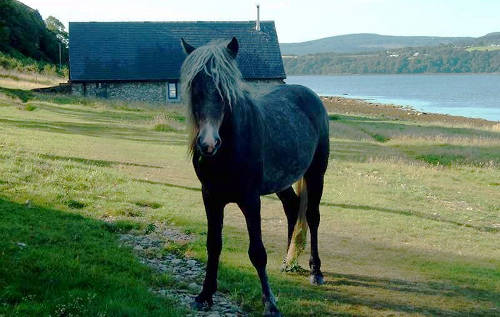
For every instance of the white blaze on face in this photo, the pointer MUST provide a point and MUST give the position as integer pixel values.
(209, 132)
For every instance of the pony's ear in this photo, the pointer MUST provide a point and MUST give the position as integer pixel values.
(187, 48)
(232, 47)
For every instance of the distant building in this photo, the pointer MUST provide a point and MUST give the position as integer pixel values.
(141, 61)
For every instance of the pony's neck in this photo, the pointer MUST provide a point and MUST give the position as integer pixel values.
(243, 118)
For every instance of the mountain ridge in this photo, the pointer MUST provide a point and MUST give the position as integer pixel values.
(372, 42)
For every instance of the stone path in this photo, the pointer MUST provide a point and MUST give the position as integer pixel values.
(184, 270)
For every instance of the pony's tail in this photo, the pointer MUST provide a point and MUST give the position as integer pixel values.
(299, 236)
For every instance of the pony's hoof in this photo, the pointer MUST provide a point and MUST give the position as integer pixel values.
(272, 312)
(202, 304)
(316, 279)
(270, 309)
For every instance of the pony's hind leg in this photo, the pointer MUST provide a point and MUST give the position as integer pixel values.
(290, 202)
(314, 178)
(315, 190)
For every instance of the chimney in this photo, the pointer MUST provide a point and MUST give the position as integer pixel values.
(257, 23)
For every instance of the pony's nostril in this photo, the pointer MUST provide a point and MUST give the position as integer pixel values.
(217, 142)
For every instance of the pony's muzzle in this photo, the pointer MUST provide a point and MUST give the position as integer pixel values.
(208, 147)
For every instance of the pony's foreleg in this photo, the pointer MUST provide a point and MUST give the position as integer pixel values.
(215, 214)
(257, 251)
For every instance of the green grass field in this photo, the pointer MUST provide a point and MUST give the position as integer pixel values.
(410, 215)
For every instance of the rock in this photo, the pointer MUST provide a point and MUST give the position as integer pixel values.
(187, 271)
(195, 287)
(176, 261)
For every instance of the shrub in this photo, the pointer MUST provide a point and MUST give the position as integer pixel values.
(25, 64)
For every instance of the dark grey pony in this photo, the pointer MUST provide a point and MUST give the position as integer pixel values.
(244, 147)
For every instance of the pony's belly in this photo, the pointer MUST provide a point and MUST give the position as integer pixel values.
(278, 184)
(285, 169)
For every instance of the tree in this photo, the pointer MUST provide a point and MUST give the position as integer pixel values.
(55, 26)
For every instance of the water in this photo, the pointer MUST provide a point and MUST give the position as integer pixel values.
(468, 95)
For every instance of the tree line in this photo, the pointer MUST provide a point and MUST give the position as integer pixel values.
(442, 59)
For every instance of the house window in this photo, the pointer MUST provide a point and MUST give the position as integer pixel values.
(172, 90)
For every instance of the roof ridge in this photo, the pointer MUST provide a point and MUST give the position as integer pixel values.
(180, 22)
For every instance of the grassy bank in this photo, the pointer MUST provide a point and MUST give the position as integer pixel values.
(21, 72)
(410, 214)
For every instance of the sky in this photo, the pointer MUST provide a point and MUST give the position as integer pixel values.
(297, 21)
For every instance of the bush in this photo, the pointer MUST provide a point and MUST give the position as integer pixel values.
(25, 64)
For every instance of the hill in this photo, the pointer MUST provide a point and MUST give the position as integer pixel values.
(366, 42)
(494, 36)
(23, 33)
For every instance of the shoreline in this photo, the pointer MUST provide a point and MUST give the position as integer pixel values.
(354, 106)
(471, 95)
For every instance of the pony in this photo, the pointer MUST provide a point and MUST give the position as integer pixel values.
(245, 145)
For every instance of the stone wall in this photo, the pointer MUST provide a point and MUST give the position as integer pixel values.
(149, 91)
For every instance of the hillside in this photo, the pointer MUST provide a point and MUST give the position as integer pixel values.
(495, 36)
(442, 59)
(23, 33)
(366, 42)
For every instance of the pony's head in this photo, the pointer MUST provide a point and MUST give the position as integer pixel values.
(211, 85)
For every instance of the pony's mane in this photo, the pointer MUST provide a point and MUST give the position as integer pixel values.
(215, 61)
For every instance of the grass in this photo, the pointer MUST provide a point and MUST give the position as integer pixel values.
(22, 95)
(14, 79)
(58, 263)
(410, 214)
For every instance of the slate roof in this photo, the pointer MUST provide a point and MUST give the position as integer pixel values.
(101, 51)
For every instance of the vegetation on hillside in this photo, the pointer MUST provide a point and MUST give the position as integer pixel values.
(366, 42)
(410, 213)
(442, 59)
(23, 31)
(27, 73)
(22, 64)
(29, 45)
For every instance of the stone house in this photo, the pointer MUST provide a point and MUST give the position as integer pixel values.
(141, 61)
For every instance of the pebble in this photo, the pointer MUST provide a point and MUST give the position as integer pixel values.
(176, 261)
(195, 287)
(189, 271)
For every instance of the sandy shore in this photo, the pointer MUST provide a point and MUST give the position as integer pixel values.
(348, 106)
